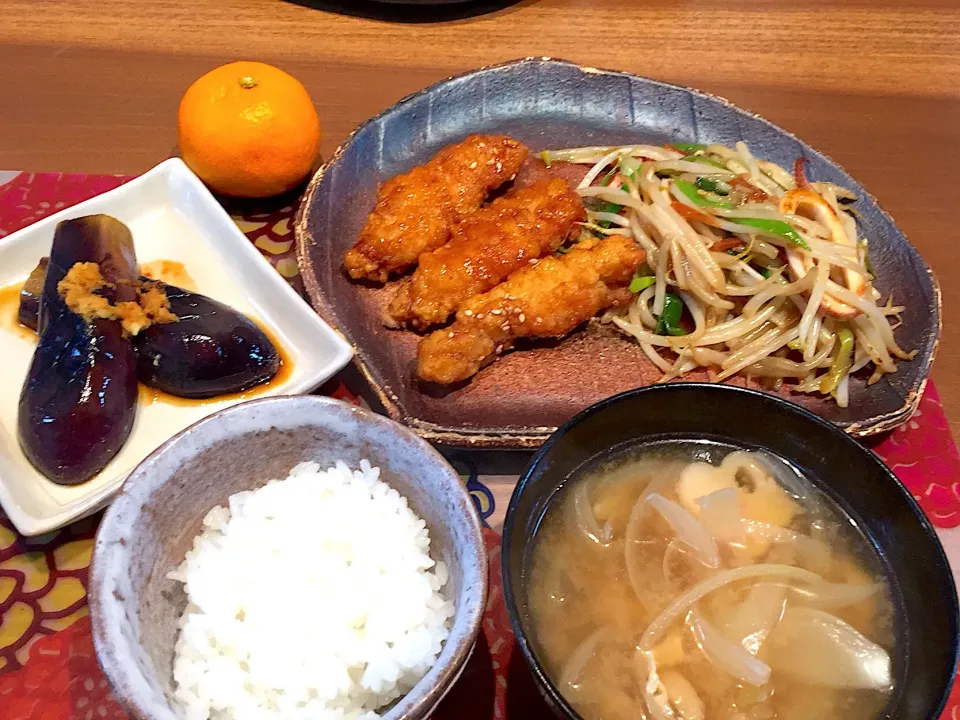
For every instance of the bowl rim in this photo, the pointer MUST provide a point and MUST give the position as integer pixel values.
(848, 441)
(428, 691)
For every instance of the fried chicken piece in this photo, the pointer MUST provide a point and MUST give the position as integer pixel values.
(484, 249)
(415, 211)
(546, 300)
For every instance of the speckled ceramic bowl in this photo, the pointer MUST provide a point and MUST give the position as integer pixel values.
(148, 529)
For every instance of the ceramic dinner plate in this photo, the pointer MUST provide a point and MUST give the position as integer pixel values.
(520, 399)
(174, 218)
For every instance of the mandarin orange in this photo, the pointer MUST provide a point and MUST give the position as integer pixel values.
(248, 129)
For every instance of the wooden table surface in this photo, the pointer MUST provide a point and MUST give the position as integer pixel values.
(93, 85)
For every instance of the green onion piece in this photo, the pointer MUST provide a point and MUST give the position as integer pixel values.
(691, 192)
(689, 147)
(704, 161)
(841, 363)
(669, 321)
(773, 227)
(715, 186)
(545, 156)
(866, 257)
(708, 185)
(609, 176)
(605, 206)
(629, 165)
(639, 284)
(763, 271)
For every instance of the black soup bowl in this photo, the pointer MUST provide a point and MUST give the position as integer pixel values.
(925, 597)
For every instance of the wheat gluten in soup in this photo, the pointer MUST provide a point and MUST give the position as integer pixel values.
(680, 583)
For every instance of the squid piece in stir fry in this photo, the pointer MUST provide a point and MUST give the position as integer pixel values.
(750, 269)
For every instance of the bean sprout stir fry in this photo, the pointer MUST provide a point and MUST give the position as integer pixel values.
(750, 269)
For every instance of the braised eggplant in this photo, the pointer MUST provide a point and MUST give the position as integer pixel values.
(211, 350)
(29, 311)
(78, 403)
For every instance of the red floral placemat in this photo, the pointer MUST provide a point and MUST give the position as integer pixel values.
(48, 670)
(924, 456)
(63, 679)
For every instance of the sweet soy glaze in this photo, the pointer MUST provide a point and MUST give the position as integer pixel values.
(173, 273)
(170, 272)
(691, 582)
(149, 395)
(9, 306)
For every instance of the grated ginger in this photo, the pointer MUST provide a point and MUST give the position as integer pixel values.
(79, 291)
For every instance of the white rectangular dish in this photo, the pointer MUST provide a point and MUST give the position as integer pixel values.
(172, 217)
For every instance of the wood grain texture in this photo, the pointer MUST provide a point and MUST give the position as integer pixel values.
(93, 85)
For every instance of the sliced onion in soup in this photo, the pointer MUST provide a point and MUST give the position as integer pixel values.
(635, 522)
(684, 700)
(828, 596)
(821, 649)
(683, 566)
(683, 603)
(654, 692)
(727, 655)
(720, 515)
(752, 620)
(658, 706)
(585, 519)
(573, 668)
(837, 595)
(813, 552)
(687, 528)
(667, 696)
(634, 545)
(673, 549)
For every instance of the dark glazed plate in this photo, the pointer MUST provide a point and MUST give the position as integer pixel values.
(519, 400)
(925, 597)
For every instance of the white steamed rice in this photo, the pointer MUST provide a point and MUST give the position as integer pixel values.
(312, 597)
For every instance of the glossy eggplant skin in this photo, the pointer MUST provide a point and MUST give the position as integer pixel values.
(78, 403)
(28, 313)
(211, 350)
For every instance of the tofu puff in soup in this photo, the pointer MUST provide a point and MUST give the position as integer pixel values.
(688, 582)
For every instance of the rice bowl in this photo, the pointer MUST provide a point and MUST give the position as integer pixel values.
(146, 534)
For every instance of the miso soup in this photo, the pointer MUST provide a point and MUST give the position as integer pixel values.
(696, 583)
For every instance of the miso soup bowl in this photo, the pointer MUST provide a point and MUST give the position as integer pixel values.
(149, 528)
(925, 598)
